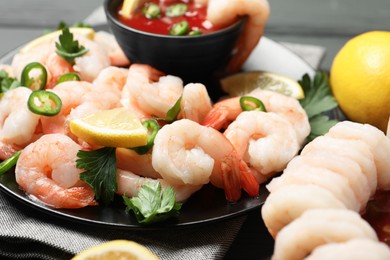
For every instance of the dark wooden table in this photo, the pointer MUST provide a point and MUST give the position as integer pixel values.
(328, 23)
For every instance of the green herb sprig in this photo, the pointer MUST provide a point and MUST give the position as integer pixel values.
(318, 100)
(153, 204)
(7, 82)
(100, 172)
(68, 48)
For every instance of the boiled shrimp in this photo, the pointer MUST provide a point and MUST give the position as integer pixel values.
(227, 110)
(130, 183)
(195, 102)
(224, 13)
(343, 166)
(186, 152)
(108, 42)
(284, 205)
(255, 134)
(376, 140)
(17, 123)
(149, 92)
(356, 249)
(316, 227)
(47, 170)
(356, 150)
(79, 98)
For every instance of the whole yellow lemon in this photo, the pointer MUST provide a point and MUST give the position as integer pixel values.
(360, 78)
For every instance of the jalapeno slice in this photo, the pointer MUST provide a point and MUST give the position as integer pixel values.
(151, 11)
(180, 28)
(152, 126)
(71, 76)
(45, 103)
(195, 32)
(9, 163)
(248, 103)
(176, 10)
(34, 76)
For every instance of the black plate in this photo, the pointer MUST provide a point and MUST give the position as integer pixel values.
(205, 206)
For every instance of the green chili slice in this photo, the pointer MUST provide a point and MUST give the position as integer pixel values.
(34, 76)
(45, 103)
(180, 28)
(151, 11)
(195, 32)
(248, 103)
(71, 76)
(152, 126)
(176, 10)
(9, 163)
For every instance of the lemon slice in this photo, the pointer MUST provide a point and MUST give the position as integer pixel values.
(88, 32)
(117, 249)
(111, 128)
(242, 83)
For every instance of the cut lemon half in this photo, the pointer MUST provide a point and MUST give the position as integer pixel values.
(242, 83)
(111, 128)
(117, 249)
(87, 32)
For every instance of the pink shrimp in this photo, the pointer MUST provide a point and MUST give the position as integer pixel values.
(224, 13)
(17, 123)
(149, 92)
(186, 152)
(226, 111)
(47, 170)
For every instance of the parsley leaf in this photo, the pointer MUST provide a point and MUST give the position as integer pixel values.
(318, 100)
(7, 82)
(100, 172)
(153, 204)
(68, 48)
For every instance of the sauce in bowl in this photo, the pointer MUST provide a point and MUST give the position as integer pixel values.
(169, 17)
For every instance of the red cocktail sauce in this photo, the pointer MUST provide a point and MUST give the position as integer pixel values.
(195, 16)
(378, 215)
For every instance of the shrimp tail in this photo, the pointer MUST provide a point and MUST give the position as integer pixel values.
(231, 180)
(80, 197)
(247, 181)
(217, 118)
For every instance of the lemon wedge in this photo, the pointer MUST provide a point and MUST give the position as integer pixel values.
(111, 128)
(117, 249)
(87, 32)
(242, 83)
(128, 7)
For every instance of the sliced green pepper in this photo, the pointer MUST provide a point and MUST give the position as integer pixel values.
(151, 11)
(248, 103)
(45, 103)
(34, 76)
(71, 76)
(195, 32)
(180, 28)
(9, 163)
(152, 126)
(176, 10)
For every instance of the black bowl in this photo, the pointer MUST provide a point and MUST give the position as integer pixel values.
(193, 58)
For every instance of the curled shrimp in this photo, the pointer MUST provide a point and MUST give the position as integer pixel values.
(358, 248)
(376, 140)
(186, 152)
(224, 13)
(317, 227)
(227, 110)
(108, 42)
(255, 134)
(149, 92)
(284, 205)
(47, 170)
(17, 123)
(195, 102)
(130, 183)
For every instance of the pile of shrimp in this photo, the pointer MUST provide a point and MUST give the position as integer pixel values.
(313, 210)
(200, 147)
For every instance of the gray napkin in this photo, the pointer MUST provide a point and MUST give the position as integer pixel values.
(27, 233)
